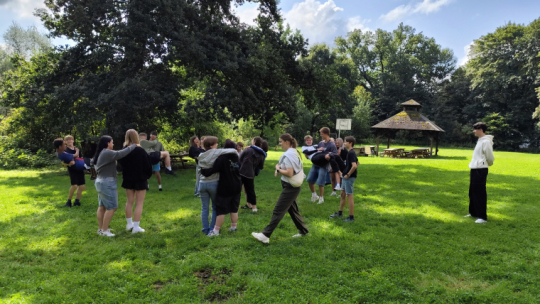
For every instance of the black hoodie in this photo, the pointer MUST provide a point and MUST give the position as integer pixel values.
(229, 183)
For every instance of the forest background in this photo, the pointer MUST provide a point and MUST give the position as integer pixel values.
(192, 68)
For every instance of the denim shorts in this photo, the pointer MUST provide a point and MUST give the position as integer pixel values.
(107, 192)
(156, 167)
(317, 175)
(348, 185)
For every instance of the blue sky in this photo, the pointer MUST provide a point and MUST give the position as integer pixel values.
(453, 23)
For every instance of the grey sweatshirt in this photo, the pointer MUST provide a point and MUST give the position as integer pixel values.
(106, 164)
(207, 159)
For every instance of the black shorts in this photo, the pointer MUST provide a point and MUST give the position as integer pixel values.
(227, 204)
(76, 177)
(154, 157)
(135, 185)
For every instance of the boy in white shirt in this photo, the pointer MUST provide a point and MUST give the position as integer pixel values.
(481, 160)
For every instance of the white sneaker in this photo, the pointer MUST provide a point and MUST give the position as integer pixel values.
(314, 197)
(333, 193)
(233, 229)
(100, 232)
(137, 230)
(254, 209)
(468, 215)
(129, 227)
(107, 233)
(321, 200)
(480, 221)
(212, 233)
(261, 237)
(298, 235)
(338, 187)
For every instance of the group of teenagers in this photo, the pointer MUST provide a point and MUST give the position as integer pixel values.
(222, 175)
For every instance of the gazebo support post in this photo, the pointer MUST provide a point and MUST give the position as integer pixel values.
(436, 144)
(431, 145)
(388, 142)
(378, 145)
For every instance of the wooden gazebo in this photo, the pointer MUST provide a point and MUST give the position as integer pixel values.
(409, 119)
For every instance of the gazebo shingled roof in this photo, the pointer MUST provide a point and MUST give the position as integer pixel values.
(409, 119)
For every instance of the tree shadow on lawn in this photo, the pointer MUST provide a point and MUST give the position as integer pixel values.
(401, 211)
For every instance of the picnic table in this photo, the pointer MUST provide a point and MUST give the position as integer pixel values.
(398, 152)
(420, 152)
(179, 158)
(359, 150)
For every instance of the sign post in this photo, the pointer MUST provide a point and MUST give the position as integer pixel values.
(343, 124)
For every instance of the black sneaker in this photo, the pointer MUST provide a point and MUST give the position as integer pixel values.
(336, 215)
(170, 172)
(68, 204)
(77, 203)
(349, 219)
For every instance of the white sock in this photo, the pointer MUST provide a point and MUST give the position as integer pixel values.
(136, 225)
(169, 168)
(159, 186)
(129, 221)
(216, 229)
(86, 167)
(338, 185)
(313, 194)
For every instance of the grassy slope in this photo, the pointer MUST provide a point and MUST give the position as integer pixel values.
(410, 242)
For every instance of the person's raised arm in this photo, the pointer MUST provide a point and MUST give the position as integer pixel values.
(122, 153)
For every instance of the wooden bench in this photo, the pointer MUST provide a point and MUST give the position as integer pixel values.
(179, 158)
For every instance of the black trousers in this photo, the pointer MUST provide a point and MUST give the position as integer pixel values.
(478, 194)
(249, 186)
(286, 203)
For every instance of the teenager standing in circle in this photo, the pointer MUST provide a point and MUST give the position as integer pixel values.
(136, 172)
(194, 151)
(251, 162)
(208, 185)
(290, 164)
(229, 188)
(105, 165)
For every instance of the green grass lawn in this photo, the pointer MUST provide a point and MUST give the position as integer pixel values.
(409, 244)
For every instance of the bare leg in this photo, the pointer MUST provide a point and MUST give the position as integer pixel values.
(311, 187)
(333, 179)
(107, 219)
(336, 177)
(342, 200)
(158, 176)
(167, 158)
(139, 200)
(219, 220)
(351, 203)
(100, 214)
(321, 191)
(80, 190)
(129, 203)
(72, 190)
(234, 218)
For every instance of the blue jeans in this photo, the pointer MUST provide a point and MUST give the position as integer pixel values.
(317, 175)
(197, 176)
(208, 191)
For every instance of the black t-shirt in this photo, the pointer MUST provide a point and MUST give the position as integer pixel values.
(194, 152)
(71, 151)
(351, 158)
(343, 154)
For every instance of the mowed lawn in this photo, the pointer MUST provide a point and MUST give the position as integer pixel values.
(409, 244)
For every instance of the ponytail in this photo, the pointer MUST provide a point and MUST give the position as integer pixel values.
(294, 144)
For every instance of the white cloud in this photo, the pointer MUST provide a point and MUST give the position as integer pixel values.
(357, 23)
(430, 6)
(466, 58)
(397, 13)
(23, 8)
(321, 22)
(247, 14)
(424, 7)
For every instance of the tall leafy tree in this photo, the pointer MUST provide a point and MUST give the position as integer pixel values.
(134, 60)
(505, 70)
(396, 66)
